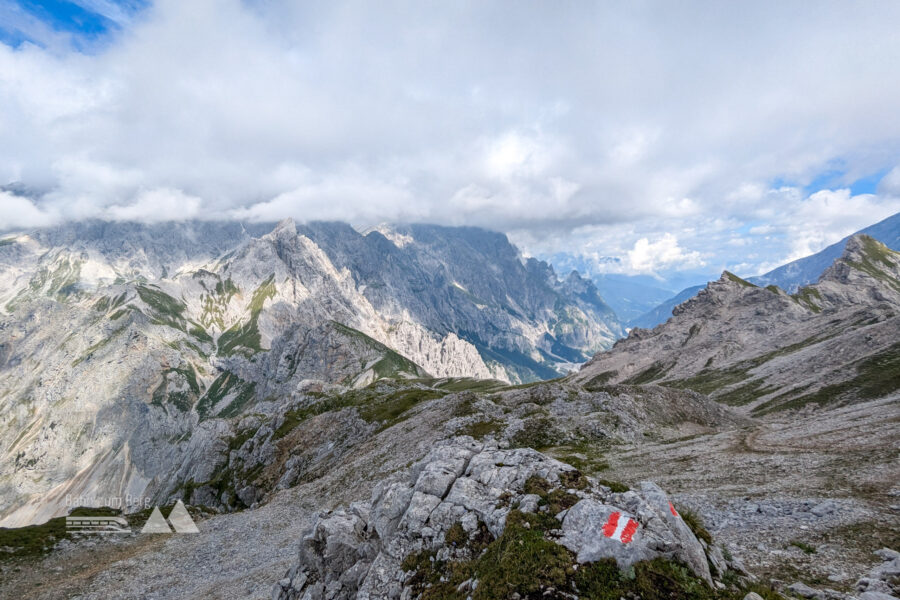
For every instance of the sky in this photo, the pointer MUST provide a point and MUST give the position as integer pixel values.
(643, 138)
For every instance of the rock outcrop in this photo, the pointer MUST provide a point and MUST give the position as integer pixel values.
(464, 489)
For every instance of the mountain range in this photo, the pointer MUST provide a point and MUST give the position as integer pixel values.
(788, 277)
(125, 348)
(764, 350)
(356, 415)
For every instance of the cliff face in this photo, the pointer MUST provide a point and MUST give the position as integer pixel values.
(127, 351)
(766, 350)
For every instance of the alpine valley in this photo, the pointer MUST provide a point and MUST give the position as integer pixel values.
(418, 411)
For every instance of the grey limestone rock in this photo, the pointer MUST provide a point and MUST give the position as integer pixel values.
(357, 553)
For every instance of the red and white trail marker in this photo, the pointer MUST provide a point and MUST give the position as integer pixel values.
(672, 508)
(619, 528)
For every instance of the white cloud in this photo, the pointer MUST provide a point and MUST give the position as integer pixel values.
(622, 122)
(160, 204)
(16, 211)
(664, 253)
(890, 184)
(830, 215)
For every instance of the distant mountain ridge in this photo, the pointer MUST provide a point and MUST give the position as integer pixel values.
(789, 277)
(805, 271)
(764, 350)
(127, 352)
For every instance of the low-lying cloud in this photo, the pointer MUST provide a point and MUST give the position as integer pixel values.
(652, 132)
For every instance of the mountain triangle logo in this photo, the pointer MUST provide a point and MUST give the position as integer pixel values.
(179, 518)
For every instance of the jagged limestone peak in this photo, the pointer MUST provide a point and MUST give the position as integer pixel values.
(729, 277)
(865, 262)
(764, 350)
(285, 227)
(865, 246)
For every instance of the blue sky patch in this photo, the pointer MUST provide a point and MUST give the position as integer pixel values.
(84, 22)
(835, 177)
(868, 184)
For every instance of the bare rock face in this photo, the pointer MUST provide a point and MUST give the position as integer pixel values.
(128, 351)
(464, 488)
(765, 350)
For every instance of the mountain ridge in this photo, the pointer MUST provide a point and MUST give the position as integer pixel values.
(789, 277)
(167, 345)
(763, 350)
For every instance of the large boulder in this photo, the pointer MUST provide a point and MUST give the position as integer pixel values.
(637, 526)
(464, 485)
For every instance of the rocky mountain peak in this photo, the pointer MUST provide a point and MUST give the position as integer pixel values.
(768, 350)
(866, 271)
(285, 227)
(727, 290)
(866, 254)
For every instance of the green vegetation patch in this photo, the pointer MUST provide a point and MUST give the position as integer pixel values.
(521, 561)
(390, 408)
(537, 432)
(377, 403)
(709, 380)
(58, 281)
(164, 307)
(616, 486)
(731, 276)
(598, 381)
(877, 256)
(481, 429)
(182, 400)
(102, 304)
(807, 296)
(470, 384)
(876, 377)
(808, 549)
(119, 314)
(652, 373)
(531, 384)
(557, 498)
(245, 338)
(694, 330)
(695, 523)
(391, 365)
(584, 457)
(746, 393)
(215, 303)
(741, 389)
(226, 384)
(97, 346)
(35, 540)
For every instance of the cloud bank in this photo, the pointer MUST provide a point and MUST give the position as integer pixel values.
(669, 136)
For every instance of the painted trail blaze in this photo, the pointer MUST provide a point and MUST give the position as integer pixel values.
(672, 508)
(619, 528)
